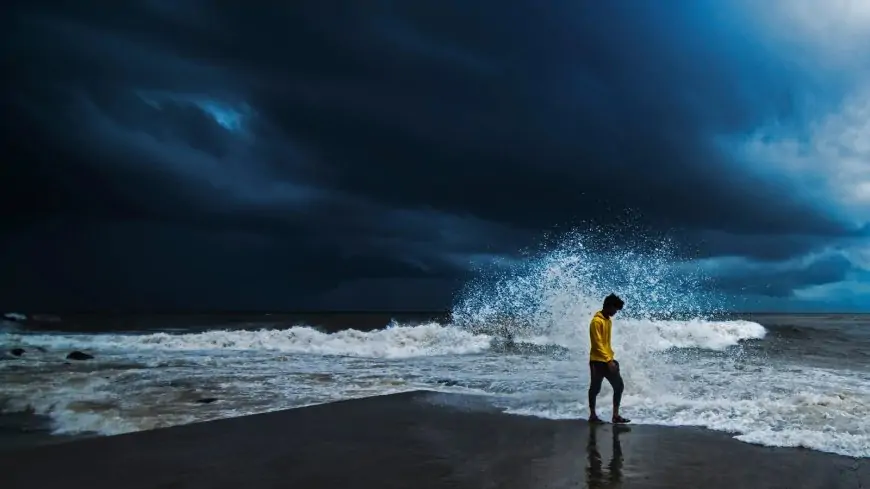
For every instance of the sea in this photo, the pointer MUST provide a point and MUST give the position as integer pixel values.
(520, 341)
(777, 380)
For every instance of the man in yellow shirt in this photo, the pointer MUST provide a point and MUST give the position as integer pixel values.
(602, 365)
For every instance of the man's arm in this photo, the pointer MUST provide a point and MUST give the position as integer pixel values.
(596, 334)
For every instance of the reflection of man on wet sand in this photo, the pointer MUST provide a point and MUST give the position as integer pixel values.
(596, 478)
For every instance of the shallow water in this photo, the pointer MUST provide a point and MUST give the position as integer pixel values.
(775, 380)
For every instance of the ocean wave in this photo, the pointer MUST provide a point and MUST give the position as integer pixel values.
(100, 382)
(636, 336)
(393, 342)
(256, 371)
(399, 341)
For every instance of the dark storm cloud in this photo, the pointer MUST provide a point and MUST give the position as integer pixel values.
(408, 137)
(144, 266)
(763, 247)
(781, 281)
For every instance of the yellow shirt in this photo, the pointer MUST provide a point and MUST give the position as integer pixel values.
(599, 336)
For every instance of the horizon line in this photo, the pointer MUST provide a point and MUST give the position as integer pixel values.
(334, 311)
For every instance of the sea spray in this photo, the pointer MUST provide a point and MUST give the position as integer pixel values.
(554, 290)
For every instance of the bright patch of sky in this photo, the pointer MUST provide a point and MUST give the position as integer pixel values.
(231, 117)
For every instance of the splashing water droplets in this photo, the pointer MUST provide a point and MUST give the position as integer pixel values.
(556, 291)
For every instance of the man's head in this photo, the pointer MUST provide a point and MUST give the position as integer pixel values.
(612, 305)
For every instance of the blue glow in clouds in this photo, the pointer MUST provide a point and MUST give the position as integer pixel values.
(230, 117)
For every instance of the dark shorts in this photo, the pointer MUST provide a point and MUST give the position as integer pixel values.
(600, 371)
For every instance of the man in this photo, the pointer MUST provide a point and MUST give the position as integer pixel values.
(602, 365)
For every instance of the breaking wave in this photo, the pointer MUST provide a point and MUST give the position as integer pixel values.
(395, 341)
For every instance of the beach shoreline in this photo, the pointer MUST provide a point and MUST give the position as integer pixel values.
(422, 439)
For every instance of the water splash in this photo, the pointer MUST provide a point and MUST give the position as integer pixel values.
(557, 288)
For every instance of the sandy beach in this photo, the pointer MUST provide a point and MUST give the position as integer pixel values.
(424, 440)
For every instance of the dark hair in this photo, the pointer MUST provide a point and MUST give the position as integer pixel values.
(613, 300)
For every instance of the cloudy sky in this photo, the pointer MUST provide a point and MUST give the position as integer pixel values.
(375, 154)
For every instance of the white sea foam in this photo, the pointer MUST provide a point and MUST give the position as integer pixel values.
(254, 371)
(810, 408)
(107, 395)
(393, 342)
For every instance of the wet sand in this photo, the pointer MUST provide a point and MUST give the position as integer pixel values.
(421, 440)
(23, 430)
